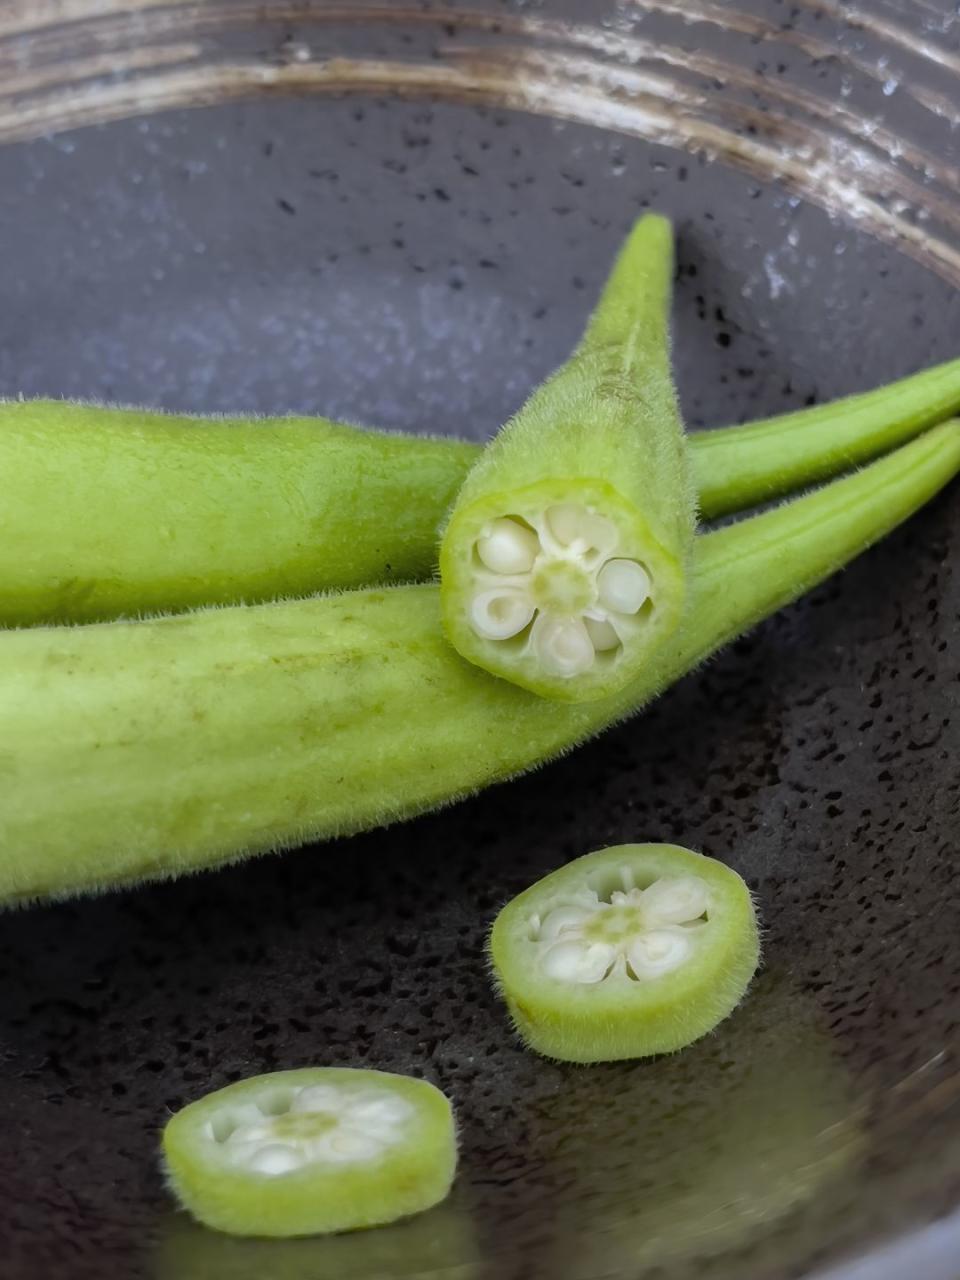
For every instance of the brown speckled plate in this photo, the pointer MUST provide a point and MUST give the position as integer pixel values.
(399, 214)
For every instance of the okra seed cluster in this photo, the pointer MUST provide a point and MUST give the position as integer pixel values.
(314, 1124)
(640, 934)
(560, 575)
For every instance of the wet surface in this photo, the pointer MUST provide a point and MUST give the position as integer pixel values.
(421, 266)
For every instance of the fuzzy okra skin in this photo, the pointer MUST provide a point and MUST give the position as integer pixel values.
(563, 564)
(111, 512)
(739, 467)
(192, 511)
(134, 750)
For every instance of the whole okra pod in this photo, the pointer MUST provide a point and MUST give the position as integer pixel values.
(135, 750)
(108, 512)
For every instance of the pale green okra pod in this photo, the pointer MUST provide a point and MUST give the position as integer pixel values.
(107, 512)
(563, 564)
(142, 750)
(110, 512)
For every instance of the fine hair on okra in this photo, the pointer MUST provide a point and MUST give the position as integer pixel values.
(563, 565)
(110, 512)
(136, 750)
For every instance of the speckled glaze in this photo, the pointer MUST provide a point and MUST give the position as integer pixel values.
(422, 263)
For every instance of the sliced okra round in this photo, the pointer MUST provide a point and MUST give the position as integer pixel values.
(311, 1151)
(635, 950)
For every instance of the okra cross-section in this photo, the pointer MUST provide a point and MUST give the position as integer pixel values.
(563, 565)
(564, 583)
(311, 1151)
(631, 951)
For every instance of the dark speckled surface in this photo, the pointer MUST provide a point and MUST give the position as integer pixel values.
(421, 266)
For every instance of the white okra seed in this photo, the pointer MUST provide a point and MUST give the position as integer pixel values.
(275, 1159)
(647, 928)
(578, 961)
(561, 918)
(381, 1111)
(356, 1144)
(623, 585)
(602, 635)
(656, 952)
(675, 900)
(316, 1097)
(508, 547)
(501, 612)
(562, 645)
(573, 525)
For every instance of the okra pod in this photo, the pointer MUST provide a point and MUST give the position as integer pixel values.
(563, 566)
(134, 750)
(108, 512)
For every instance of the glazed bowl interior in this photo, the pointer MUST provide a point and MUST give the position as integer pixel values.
(400, 217)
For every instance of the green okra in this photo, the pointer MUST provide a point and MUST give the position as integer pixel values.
(563, 565)
(631, 951)
(108, 512)
(135, 750)
(112, 512)
(741, 467)
(311, 1151)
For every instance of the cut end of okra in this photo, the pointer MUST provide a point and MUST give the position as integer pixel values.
(632, 951)
(560, 596)
(312, 1151)
(563, 565)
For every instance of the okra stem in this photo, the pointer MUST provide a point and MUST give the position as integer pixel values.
(141, 750)
(109, 512)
